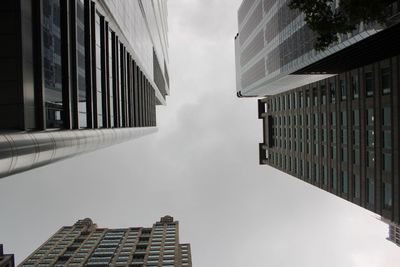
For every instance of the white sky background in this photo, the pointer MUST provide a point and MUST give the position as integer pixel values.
(202, 168)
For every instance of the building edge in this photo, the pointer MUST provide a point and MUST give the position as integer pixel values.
(24, 151)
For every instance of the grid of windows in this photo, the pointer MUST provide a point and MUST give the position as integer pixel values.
(83, 244)
(345, 147)
(91, 80)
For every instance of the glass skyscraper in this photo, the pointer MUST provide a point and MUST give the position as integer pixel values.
(84, 244)
(274, 48)
(330, 118)
(78, 75)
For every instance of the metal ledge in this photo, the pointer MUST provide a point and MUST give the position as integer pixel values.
(28, 150)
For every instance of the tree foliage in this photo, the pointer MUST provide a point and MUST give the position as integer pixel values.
(327, 20)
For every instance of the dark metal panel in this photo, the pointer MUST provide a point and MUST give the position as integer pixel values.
(123, 84)
(73, 65)
(93, 88)
(140, 96)
(115, 85)
(395, 138)
(104, 76)
(38, 70)
(107, 70)
(130, 91)
(66, 64)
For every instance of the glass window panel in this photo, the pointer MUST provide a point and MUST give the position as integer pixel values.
(356, 157)
(356, 117)
(387, 162)
(386, 81)
(387, 116)
(344, 137)
(387, 139)
(333, 118)
(333, 152)
(334, 179)
(345, 183)
(370, 159)
(332, 91)
(343, 90)
(81, 60)
(344, 154)
(99, 94)
(369, 84)
(387, 196)
(111, 78)
(355, 86)
(356, 137)
(356, 186)
(370, 117)
(370, 191)
(370, 138)
(343, 118)
(323, 95)
(52, 69)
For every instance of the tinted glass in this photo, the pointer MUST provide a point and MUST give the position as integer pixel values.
(52, 71)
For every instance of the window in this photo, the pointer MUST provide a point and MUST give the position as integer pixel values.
(111, 78)
(386, 81)
(52, 64)
(324, 175)
(323, 151)
(370, 191)
(334, 179)
(356, 157)
(387, 116)
(356, 137)
(344, 137)
(333, 136)
(370, 159)
(324, 135)
(316, 173)
(356, 117)
(323, 118)
(387, 162)
(323, 95)
(356, 186)
(332, 91)
(308, 98)
(387, 139)
(80, 32)
(387, 196)
(343, 118)
(355, 86)
(370, 138)
(370, 117)
(343, 90)
(99, 70)
(301, 98)
(315, 97)
(369, 84)
(333, 118)
(333, 152)
(345, 182)
(344, 154)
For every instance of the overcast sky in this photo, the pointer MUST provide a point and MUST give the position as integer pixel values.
(202, 168)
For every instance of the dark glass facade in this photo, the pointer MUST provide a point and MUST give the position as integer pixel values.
(89, 76)
(90, 65)
(347, 144)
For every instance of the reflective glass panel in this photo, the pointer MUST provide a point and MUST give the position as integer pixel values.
(80, 31)
(52, 72)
